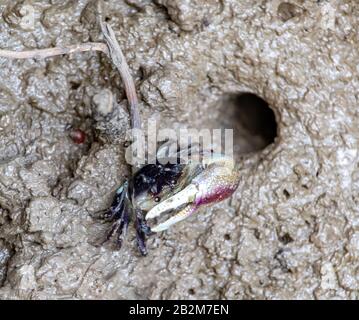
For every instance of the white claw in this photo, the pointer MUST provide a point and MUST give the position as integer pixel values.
(183, 214)
(187, 195)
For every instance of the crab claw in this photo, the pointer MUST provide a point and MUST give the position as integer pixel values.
(181, 215)
(187, 195)
(217, 181)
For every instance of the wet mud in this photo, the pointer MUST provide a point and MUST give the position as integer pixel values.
(290, 231)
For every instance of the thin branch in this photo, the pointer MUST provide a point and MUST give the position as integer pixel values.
(118, 59)
(51, 52)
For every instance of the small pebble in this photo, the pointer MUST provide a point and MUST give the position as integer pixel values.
(104, 101)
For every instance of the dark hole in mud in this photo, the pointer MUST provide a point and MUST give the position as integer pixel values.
(252, 120)
(74, 85)
(191, 291)
(286, 238)
(286, 193)
(227, 237)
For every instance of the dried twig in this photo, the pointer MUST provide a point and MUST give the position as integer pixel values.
(119, 61)
(51, 52)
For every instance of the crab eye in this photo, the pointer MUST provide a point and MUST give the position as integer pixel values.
(157, 199)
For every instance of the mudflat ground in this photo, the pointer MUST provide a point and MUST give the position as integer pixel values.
(291, 230)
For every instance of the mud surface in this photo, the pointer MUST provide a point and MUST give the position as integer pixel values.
(292, 228)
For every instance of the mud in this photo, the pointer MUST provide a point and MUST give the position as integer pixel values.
(291, 230)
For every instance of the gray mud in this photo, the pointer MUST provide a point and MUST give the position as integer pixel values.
(290, 231)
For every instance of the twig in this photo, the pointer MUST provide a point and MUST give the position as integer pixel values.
(51, 52)
(118, 59)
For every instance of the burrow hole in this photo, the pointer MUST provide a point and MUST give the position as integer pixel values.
(252, 120)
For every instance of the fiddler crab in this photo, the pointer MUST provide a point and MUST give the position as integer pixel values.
(170, 187)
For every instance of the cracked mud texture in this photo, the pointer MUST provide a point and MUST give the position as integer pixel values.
(291, 230)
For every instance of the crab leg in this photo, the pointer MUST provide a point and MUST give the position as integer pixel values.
(142, 230)
(118, 204)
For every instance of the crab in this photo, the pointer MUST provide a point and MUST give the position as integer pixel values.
(170, 186)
